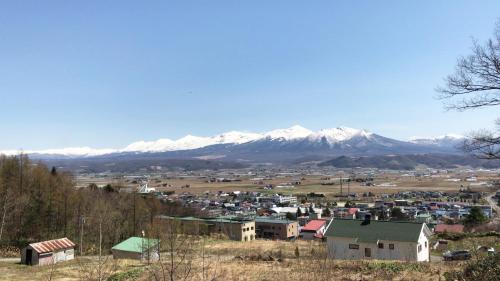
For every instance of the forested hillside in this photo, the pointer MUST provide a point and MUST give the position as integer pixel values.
(40, 203)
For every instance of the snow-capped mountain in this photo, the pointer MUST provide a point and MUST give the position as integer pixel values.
(339, 134)
(292, 142)
(292, 133)
(448, 140)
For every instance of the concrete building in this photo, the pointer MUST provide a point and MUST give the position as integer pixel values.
(48, 252)
(238, 229)
(276, 229)
(137, 248)
(379, 240)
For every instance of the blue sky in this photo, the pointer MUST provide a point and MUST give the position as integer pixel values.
(107, 73)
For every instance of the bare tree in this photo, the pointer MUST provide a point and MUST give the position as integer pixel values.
(476, 84)
(5, 207)
(176, 255)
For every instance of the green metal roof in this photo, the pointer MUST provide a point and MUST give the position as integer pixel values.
(136, 244)
(267, 220)
(374, 230)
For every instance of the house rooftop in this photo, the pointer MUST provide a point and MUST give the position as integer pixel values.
(374, 231)
(314, 225)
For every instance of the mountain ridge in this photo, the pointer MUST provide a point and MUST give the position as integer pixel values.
(339, 137)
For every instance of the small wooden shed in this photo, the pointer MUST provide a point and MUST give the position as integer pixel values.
(48, 252)
(137, 248)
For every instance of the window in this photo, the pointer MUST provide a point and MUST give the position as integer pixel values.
(380, 245)
(391, 246)
(419, 248)
(251, 228)
(368, 252)
(354, 246)
(426, 244)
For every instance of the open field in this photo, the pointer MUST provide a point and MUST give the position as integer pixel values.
(230, 260)
(386, 183)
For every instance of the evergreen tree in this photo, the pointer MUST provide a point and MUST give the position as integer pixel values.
(475, 217)
(299, 212)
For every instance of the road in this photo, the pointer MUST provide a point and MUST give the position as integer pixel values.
(493, 203)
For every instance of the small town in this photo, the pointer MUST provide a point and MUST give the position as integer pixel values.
(182, 140)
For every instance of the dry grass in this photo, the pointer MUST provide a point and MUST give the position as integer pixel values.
(311, 265)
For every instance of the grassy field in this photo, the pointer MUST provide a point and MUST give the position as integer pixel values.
(228, 260)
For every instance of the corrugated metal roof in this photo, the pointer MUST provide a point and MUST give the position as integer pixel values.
(52, 245)
(375, 230)
(314, 225)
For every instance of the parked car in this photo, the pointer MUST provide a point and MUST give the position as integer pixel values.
(456, 255)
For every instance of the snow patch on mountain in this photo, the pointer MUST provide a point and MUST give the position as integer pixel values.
(339, 134)
(292, 133)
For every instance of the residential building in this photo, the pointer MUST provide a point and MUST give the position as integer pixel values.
(380, 240)
(313, 230)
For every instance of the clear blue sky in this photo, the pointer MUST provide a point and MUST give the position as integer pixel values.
(107, 73)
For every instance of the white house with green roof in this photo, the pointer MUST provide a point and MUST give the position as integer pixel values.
(377, 240)
(137, 248)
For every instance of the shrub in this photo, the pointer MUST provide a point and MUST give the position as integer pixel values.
(484, 269)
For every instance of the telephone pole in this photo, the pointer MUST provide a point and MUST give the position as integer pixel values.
(82, 221)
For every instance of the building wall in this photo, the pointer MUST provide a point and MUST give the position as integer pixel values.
(424, 254)
(117, 254)
(244, 231)
(281, 231)
(338, 248)
(48, 258)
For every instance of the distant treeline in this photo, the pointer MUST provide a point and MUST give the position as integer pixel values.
(39, 203)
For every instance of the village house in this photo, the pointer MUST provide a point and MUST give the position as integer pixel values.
(276, 229)
(313, 230)
(379, 240)
(48, 252)
(137, 248)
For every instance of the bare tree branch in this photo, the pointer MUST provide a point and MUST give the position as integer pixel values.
(476, 84)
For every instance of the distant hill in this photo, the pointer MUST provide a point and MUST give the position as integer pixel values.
(411, 161)
(123, 165)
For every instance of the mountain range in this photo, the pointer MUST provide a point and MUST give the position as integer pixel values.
(294, 145)
(341, 138)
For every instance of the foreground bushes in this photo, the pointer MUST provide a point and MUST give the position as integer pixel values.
(484, 269)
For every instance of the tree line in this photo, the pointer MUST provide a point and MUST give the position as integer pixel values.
(39, 203)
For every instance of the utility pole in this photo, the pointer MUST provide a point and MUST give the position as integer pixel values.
(82, 221)
(21, 172)
(133, 224)
(340, 186)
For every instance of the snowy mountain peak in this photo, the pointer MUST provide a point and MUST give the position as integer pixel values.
(236, 137)
(292, 133)
(339, 134)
